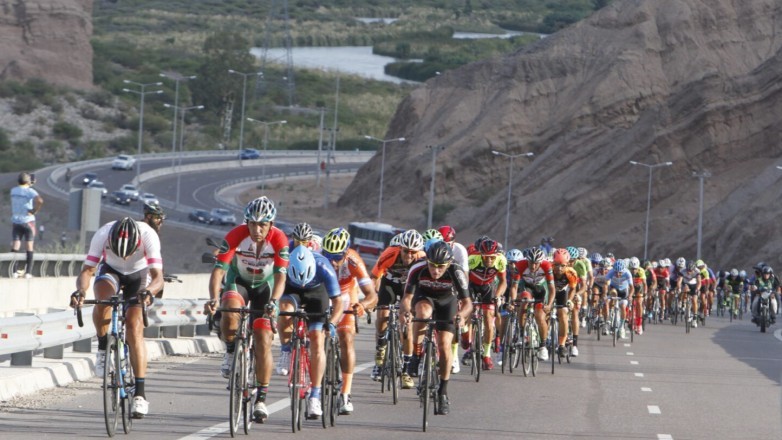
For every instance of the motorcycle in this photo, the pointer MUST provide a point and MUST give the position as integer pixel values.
(764, 309)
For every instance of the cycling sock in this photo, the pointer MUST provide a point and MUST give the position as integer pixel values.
(575, 340)
(405, 361)
(419, 349)
(381, 342)
(487, 349)
(443, 387)
(455, 350)
(263, 389)
(103, 341)
(347, 382)
(315, 393)
(29, 268)
(139, 387)
(230, 347)
(285, 348)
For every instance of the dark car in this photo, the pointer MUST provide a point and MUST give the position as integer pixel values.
(88, 178)
(120, 198)
(201, 216)
(249, 153)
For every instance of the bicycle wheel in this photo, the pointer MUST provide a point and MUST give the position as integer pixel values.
(477, 358)
(248, 389)
(235, 393)
(505, 346)
(336, 384)
(554, 336)
(424, 381)
(534, 344)
(111, 392)
(614, 328)
(515, 356)
(325, 384)
(392, 366)
(127, 380)
(295, 386)
(687, 318)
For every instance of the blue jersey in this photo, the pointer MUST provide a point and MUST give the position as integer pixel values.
(22, 203)
(619, 280)
(325, 275)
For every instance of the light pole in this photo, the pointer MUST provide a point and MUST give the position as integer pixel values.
(701, 176)
(181, 145)
(141, 115)
(244, 94)
(510, 180)
(649, 197)
(382, 168)
(265, 144)
(176, 77)
(435, 149)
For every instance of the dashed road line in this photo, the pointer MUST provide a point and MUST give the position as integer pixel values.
(633, 362)
(664, 437)
(639, 375)
(646, 389)
(653, 409)
(778, 334)
(630, 353)
(628, 345)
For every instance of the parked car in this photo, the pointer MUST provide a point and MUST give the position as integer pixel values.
(100, 185)
(88, 177)
(120, 198)
(123, 162)
(249, 153)
(222, 216)
(130, 190)
(149, 198)
(200, 216)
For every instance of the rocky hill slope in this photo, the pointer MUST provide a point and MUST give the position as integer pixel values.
(695, 82)
(48, 39)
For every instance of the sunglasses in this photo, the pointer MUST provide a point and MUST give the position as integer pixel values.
(438, 265)
(333, 257)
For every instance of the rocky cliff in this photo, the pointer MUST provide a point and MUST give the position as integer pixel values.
(695, 82)
(47, 39)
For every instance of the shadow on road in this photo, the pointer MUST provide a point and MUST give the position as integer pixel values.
(761, 351)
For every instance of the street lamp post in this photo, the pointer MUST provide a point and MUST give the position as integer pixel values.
(701, 176)
(435, 149)
(176, 77)
(141, 115)
(265, 144)
(510, 180)
(181, 145)
(382, 168)
(649, 198)
(244, 94)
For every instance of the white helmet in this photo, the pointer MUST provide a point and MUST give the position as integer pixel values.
(412, 240)
(681, 263)
(634, 263)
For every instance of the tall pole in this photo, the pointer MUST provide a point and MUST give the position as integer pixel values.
(332, 147)
(320, 143)
(701, 176)
(141, 116)
(181, 146)
(510, 185)
(435, 149)
(176, 78)
(265, 144)
(650, 167)
(244, 95)
(382, 168)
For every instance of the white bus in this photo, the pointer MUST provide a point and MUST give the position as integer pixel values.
(371, 237)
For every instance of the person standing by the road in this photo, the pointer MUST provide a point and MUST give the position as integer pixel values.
(25, 203)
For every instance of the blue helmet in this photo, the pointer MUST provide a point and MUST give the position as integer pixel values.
(619, 266)
(301, 269)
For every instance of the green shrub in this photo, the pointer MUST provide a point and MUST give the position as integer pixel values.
(5, 141)
(66, 131)
(23, 105)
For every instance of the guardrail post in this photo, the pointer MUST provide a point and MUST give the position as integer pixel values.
(152, 332)
(22, 359)
(202, 330)
(83, 346)
(170, 331)
(54, 352)
(187, 330)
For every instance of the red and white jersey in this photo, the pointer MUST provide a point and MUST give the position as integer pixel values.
(147, 255)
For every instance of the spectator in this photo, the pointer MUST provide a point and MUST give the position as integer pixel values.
(41, 230)
(25, 203)
(63, 239)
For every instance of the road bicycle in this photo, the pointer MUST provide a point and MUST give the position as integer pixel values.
(429, 380)
(530, 340)
(511, 342)
(476, 339)
(391, 370)
(614, 320)
(118, 380)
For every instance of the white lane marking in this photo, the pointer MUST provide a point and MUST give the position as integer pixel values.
(778, 334)
(646, 389)
(639, 375)
(630, 353)
(281, 404)
(653, 409)
(633, 362)
(627, 345)
(664, 437)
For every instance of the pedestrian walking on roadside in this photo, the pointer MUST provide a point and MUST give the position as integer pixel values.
(25, 203)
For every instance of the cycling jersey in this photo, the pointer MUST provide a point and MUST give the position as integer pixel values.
(735, 284)
(600, 278)
(147, 255)
(688, 277)
(391, 265)
(315, 295)
(663, 276)
(460, 255)
(22, 198)
(567, 280)
(651, 278)
(441, 293)
(351, 274)
(583, 267)
(619, 280)
(639, 276)
(541, 276)
(242, 257)
(481, 275)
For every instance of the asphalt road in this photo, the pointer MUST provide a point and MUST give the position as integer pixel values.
(718, 382)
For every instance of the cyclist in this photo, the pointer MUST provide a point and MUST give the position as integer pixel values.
(663, 275)
(688, 281)
(437, 289)
(513, 256)
(154, 215)
(766, 281)
(651, 286)
(352, 275)
(487, 266)
(639, 287)
(302, 234)
(600, 288)
(311, 283)
(536, 277)
(389, 276)
(709, 283)
(460, 258)
(583, 270)
(566, 289)
(131, 262)
(734, 286)
(620, 284)
(253, 260)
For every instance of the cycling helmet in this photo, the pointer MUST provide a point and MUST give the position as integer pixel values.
(662, 263)
(124, 237)
(301, 269)
(260, 210)
(610, 255)
(154, 209)
(692, 265)
(439, 253)
(535, 255)
(619, 266)
(681, 263)
(655, 265)
(596, 258)
(431, 233)
(767, 270)
(396, 240)
(582, 252)
(302, 232)
(667, 262)
(411, 239)
(448, 233)
(488, 247)
(336, 241)
(573, 252)
(743, 273)
(561, 256)
(514, 255)
(634, 263)
(606, 263)
(700, 264)
(316, 242)
(734, 272)
(759, 266)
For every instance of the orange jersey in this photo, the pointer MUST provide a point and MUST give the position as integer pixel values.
(390, 265)
(567, 280)
(351, 274)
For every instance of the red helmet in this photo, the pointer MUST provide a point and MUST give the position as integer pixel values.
(561, 256)
(449, 234)
(526, 295)
(488, 247)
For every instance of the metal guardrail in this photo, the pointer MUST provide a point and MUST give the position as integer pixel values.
(23, 336)
(44, 265)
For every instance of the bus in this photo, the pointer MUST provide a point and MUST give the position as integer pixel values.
(371, 237)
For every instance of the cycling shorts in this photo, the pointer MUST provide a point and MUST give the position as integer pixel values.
(444, 307)
(390, 292)
(255, 297)
(130, 284)
(483, 293)
(23, 232)
(313, 300)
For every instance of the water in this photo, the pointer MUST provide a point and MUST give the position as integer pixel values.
(356, 60)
